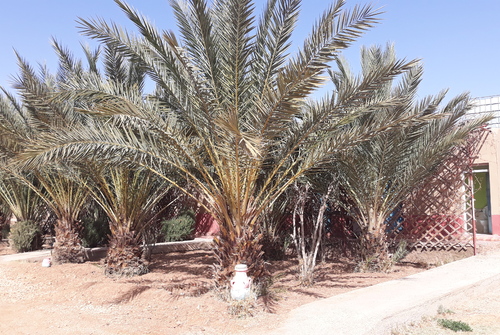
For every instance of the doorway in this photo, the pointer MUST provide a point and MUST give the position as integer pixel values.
(482, 204)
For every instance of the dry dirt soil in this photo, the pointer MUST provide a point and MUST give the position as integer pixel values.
(477, 306)
(174, 298)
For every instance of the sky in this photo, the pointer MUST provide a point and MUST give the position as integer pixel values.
(458, 41)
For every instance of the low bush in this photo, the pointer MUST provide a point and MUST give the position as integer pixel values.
(25, 236)
(275, 247)
(454, 325)
(5, 231)
(400, 252)
(179, 228)
(95, 232)
(95, 226)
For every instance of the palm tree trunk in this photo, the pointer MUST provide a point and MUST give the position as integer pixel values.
(125, 256)
(231, 249)
(68, 246)
(374, 250)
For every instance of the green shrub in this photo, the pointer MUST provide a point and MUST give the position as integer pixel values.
(5, 231)
(25, 236)
(454, 325)
(179, 228)
(275, 247)
(95, 232)
(401, 252)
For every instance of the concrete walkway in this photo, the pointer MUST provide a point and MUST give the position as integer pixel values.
(380, 308)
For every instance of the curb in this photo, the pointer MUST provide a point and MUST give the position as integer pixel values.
(95, 254)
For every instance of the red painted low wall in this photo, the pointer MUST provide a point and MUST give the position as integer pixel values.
(206, 225)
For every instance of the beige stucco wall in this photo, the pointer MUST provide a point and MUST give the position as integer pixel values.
(490, 156)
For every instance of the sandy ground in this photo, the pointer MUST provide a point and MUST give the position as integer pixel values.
(477, 306)
(174, 298)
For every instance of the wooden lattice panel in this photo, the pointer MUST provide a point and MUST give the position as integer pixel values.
(439, 214)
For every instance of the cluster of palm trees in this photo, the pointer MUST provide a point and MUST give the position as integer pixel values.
(231, 124)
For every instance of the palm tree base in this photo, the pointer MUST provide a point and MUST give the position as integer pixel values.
(68, 247)
(230, 251)
(374, 253)
(125, 257)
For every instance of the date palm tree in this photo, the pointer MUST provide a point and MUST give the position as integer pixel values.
(19, 199)
(129, 196)
(26, 122)
(380, 173)
(228, 115)
(16, 196)
(131, 199)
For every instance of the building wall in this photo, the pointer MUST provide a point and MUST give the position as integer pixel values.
(490, 154)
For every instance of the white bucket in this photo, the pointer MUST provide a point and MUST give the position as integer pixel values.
(47, 262)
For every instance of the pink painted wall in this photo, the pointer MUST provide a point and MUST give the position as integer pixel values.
(206, 225)
(495, 224)
(490, 156)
